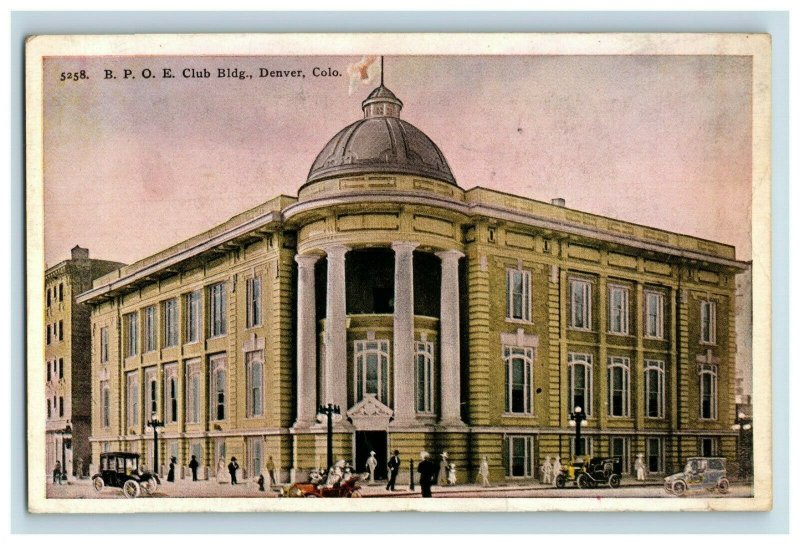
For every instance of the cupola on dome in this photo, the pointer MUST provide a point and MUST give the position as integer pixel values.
(380, 143)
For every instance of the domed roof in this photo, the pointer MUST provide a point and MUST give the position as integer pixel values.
(380, 143)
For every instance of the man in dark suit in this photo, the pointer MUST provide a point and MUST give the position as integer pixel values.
(427, 471)
(232, 467)
(193, 465)
(394, 468)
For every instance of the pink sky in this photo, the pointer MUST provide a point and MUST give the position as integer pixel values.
(134, 166)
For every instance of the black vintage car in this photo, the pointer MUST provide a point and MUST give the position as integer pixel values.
(601, 471)
(121, 470)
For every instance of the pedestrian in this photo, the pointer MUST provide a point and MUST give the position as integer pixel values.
(57, 473)
(441, 474)
(261, 483)
(222, 473)
(394, 468)
(171, 473)
(193, 465)
(546, 475)
(271, 472)
(639, 466)
(556, 469)
(427, 474)
(484, 471)
(232, 467)
(451, 474)
(372, 463)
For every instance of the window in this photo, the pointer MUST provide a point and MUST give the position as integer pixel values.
(708, 322)
(708, 392)
(60, 367)
(255, 383)
(216, 322)
(49, 415)
(60, 406)
(49, 335)
(197, 451)
(104, 345)
(424, 376)
(579, 382)
(580, 308)
(621, 448)
(520, 456)
(216, 368)
(150, 377)
(654, 388)
(48, 297)
(61, 292)
(192, 316)
(61, 330)
(253, 296)
(193, 392)
(372, 369)
(171, 322)
(131, 334)
(655, 455)
(170, 394)
(518, 295)
(150, 328)
(255, 450)
(708, 446)
(132, 406)
(654, 315)
(587, 446)
(49, 377)
(105, 404)
(618, 309)
(519, 379)
(619, 390)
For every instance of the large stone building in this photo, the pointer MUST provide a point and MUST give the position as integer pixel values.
(67, 356)
(439, 319)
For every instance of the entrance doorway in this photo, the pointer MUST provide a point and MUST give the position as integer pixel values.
(366, 442)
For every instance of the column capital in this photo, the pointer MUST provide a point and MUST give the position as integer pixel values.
(404, 246)
(335, 251)
(306, 260)
(449, 255)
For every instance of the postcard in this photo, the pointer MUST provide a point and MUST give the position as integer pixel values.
(391, 272)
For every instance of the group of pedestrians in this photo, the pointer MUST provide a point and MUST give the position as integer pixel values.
(232, 467)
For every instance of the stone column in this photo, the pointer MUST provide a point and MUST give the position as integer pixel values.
(404, 409)
(335, 375)
(449, 339)
(306, 340)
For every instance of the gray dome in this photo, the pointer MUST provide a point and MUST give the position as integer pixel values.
(381, 143)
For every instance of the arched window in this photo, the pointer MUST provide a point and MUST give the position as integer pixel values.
(519, 379)
(654, 388)
(708, 391)
(424, 377)
(579, 379)
(255, 384)
(218, 386)
(619, 390)
(372, 369)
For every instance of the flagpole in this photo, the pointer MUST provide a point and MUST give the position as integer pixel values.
(381, 70)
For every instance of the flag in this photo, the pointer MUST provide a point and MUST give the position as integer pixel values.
(364, 71)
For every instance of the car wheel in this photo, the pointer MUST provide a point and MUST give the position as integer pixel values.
(679, 488)
(131, 489)
(613, 481)
(150, 485)
(723, 486)
(583, 481)
(560, 481)
(98, 483)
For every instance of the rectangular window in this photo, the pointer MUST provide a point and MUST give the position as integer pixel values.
(170, 323)
(618, 309)
(619, 390)
(131, 334)
(655, 455)
(580, 308)
(132, 381)
(620, 448)
(150, 377)
(654, 388)
(372, 369)
(255, 383)
(49, 376)
(708, 392)
(48, 297)
(192, 316)
(520, 456)
(708, 446)
(253, 297)
(49, 334)
(424, 376)
(579, 382)
(218, 386)
(104, 345)
(518, 295)
(150, 328)
(255, 448)
(587, 446)
(217, 304)
(60, 367)
(519, 379)
(654, 315)
(61, 330)
(61, 292)
(170, 394)
(708, 322)
(105, 404)
(193, 392)
(49, 415)
(60, 406)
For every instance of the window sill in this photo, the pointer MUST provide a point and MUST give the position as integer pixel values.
(518, 415)
(707, 343)
(651, 338)
(518, 321)
(580, 329)
(618, 334)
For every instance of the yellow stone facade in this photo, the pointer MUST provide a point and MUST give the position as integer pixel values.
(364, 270)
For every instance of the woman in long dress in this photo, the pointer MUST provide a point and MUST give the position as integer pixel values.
(222, 472)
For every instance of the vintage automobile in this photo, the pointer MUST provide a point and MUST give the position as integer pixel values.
(592, 473)
(699, 474)
(347, 487)
(122, 470)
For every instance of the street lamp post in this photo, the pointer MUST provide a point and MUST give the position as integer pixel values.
(328, 411)
(66, 441)
(576, 417)
(155, 424)
(742, 424)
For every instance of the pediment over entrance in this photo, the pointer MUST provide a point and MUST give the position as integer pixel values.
(370, 414)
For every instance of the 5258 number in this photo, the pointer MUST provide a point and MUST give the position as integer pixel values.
(74, 76)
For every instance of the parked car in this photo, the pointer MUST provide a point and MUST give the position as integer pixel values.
(122, 470)
(591, 473)
(347, 487)
(699, 473)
